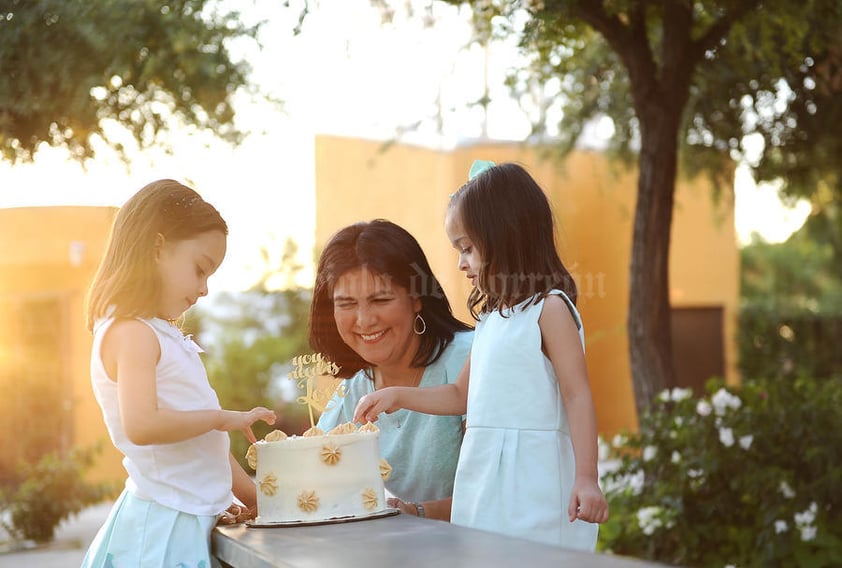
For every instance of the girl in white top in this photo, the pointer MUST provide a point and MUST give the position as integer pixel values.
(160, 411)
(528, 464)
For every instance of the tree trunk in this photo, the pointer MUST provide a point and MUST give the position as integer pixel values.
(650, 341)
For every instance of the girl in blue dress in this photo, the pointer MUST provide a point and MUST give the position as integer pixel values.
(528, 464)
(160, 411)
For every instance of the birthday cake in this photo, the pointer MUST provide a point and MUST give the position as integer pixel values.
(319, 476)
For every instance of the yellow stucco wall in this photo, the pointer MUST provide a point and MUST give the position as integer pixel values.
(35, 263)
(594, 204)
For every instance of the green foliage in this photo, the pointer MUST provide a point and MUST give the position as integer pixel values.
(790, 320)
(741, 477)
(66, 65)
(789, 345)
(53, 489)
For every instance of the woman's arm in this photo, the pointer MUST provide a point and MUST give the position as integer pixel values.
(449, 399)
(561, 343)
(130, 352)
(438, 510)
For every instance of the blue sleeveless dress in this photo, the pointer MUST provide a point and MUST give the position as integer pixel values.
(516, 468)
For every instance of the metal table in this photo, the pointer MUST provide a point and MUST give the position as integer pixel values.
(398, 541)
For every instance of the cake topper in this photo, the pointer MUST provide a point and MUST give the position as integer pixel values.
(316, 376)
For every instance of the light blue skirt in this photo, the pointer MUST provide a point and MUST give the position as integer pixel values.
(140, 533)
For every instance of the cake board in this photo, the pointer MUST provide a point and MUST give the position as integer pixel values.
(388, 512)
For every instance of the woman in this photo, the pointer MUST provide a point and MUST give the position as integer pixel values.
(381, 316)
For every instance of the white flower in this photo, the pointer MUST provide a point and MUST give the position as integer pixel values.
(781, 526)
(679, 421)
(723, 400)
(618, 441)
(678, 394)
(804, 521)
(703, 408)
(676, 457)
(808, 533)
(649, 452)
(694, 473)
(806, 517)
(664, 395)
(786, 490)
(726, 436)
(648, 519)
(636, 482)
(745, 441)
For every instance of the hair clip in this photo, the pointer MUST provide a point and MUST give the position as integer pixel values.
(479, 166)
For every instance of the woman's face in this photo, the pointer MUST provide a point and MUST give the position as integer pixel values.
(374, 317)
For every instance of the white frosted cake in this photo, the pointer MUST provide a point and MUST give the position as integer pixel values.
(319, 476)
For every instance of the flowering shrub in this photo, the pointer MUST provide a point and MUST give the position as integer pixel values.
(748, 476)
(53, 490)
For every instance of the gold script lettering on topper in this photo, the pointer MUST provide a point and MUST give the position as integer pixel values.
(316, 376)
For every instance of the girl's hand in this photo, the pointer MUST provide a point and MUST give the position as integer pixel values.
(235, 514)
(235, 420)
(371, 405)
(587, 502)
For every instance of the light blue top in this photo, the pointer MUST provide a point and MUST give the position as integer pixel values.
(421, 448)
(517, 467)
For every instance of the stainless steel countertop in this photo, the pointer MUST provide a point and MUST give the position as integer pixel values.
(398, 541)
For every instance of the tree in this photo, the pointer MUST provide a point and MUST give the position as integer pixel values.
(679, 79)
(66, 66)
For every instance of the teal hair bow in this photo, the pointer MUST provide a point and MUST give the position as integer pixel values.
(479, 166)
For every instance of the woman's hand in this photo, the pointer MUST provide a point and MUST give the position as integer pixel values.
(371, 405)
(587, 502)
(235, 420)
(404, 507)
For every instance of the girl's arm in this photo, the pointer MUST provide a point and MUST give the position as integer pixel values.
(243, 486)
(448, 400)
(130, 352)
(562, 345)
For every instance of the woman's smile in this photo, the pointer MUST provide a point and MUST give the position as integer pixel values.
(372, 337)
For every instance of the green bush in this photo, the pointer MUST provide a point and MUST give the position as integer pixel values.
(53, 489)
(748, 476)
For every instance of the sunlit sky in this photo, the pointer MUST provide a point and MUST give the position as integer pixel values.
(347, 74)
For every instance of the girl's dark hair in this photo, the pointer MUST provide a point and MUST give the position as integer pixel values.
(509, 220)
(387, 250)
(128, 277)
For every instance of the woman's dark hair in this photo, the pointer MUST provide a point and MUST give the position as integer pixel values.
(508, 218)
(388, 250)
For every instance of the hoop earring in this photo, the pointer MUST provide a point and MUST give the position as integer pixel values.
(415, 324)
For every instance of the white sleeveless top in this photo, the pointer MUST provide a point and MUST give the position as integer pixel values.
(194, 475)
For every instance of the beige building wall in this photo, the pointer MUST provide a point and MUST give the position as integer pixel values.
(49, 254)
(594, 205)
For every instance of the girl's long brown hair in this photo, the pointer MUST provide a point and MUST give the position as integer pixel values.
(127, 277)
(509, 220)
